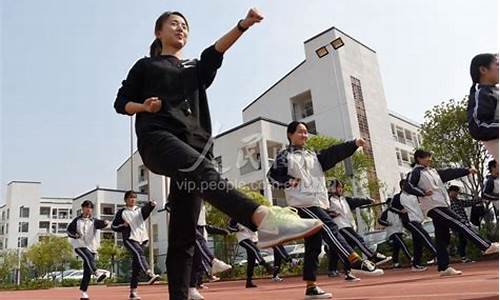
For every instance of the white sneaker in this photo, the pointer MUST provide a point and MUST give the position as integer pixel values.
(84, 296)
(283, 224)
(380, 259)
(134, 296)
(194, 294)
(277, 279)
(218, 266)
(417, 268)
(493, 248)
(450, 272)
(101, 275)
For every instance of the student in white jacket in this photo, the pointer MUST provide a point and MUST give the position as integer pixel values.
(394, 233)
(341, 210)
(131, 222)
(427, 183)
(300, 172)
(83, 233)
(248, 240)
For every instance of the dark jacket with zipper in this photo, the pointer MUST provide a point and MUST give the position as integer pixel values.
(482, 113)
(181, 86)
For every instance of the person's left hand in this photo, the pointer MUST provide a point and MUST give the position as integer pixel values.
(253, 16)
(360, 142)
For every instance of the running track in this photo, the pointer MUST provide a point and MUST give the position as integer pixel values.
(479, 281)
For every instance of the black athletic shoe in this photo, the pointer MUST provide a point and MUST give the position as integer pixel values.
(365, 267)
(315, 292)
(153, 278)
(250, 284)
(466, 260)
(333, 273)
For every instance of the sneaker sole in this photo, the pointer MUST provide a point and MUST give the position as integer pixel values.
(379, 272)
(493, 251)
(101, 278)
(285, 239)
(217, 271)
(153, 280)
(450, 275)
(419, 270)
(324, 296)
(387, 259)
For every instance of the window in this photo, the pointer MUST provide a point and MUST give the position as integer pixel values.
(2, 229)
(320, 52)
(144, 189)
(54, 213)
(45, 212)
(44, 227)
(63, 214)
(24, 212)
(61, 227)
(3, 216)
(8, 213)
(53, 228)
(23, 226)
(364, 129)
(22, 242)
(302, 106)
(107, 209)
(142, 173)
(248, 159)
(312, 127)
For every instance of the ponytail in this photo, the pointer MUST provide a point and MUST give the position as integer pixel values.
(480, 60)
(155, 48)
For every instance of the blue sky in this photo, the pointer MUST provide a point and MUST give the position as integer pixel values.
(62, 63)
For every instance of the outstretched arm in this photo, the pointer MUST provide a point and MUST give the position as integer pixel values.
(330, 156)
(227, 40)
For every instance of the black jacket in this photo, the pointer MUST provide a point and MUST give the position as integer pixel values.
(489, 189)
(482, 113)
(181, 85)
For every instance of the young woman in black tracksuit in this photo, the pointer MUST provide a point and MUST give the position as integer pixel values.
(427, 183)
(482, 108)
(168, 96)
(490, 189)
(131, 222)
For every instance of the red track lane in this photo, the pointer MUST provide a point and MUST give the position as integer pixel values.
(479, 281)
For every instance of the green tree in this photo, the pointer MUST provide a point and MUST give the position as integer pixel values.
(360, 165)
(445, 134)
(8, 264)
(50, 254)
(109, 253)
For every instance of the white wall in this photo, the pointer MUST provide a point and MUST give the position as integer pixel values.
(229, 146)
(329, 81)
